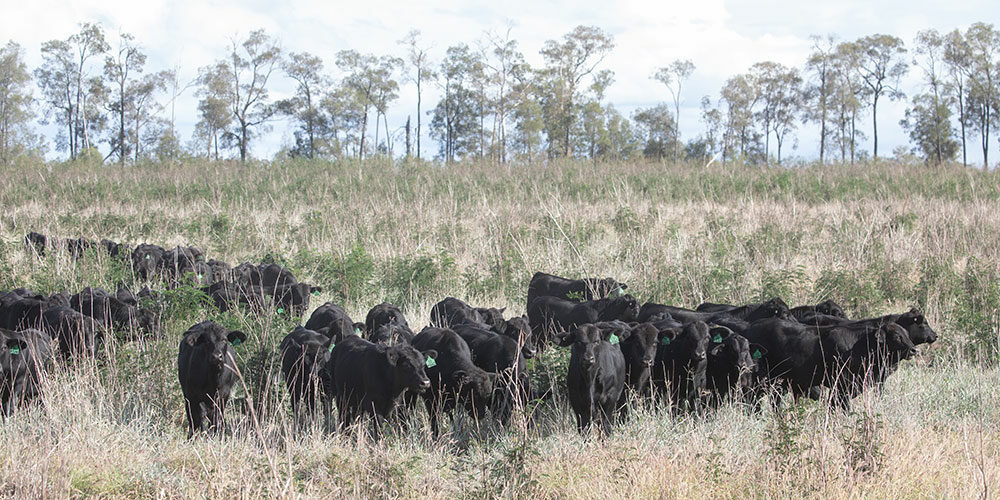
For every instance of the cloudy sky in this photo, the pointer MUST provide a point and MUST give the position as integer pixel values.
(722, 38)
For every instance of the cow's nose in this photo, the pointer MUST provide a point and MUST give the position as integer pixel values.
(589, 360)
(648, 362)
(530, 353)
(425, 384)
(699, 355)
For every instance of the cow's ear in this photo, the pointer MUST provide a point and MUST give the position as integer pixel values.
(430, 353)
(502, 309)
(666, 336)
(716, 349)
(236, 337)
(757, 351)
(719, 334)
(315, 289)
(623, 334)
(16, 346)
(566, 339)
(192, 339)
(460, 377)
(391, 355)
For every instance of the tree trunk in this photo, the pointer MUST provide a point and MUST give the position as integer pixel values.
(419, 77)
(407, 137)
(875, 126)
(361, 145)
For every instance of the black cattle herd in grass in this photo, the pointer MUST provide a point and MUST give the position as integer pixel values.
(471, 357)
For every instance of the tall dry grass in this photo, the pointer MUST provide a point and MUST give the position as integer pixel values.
(877, 238)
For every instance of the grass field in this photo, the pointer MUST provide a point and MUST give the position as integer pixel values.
(876, 238)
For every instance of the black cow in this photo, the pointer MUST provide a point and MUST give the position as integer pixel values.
(451, 311)
(518, 329)
(304, 353)
(596, 375)
(370, 378)
(226, 296)
(385, 323)
(24, 358)
(110, 312)
(731, 365)
(842, 358)
(827, 307)
(550, 285)
(501, 355)
(77, 335)
(36, 243)
(332, 320)
(454, 377)
(220, 270)
(114, 249)
(639, 350)
(79, 246)
(682, 361)
(293, 298)
(206, 368)
(20, 311)
(774, 308)
(548, 315)
(271, 275)
(147, 260)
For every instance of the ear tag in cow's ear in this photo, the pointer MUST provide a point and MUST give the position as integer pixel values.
(756, 354)
(357, 331)
(15, 350)
(330, 349)
(717, 338)
(665, 341)
(281, 310)
(430, 362)
(316, 293)
(621, 291)
(148, 257)
(237, 341)
(200, 277)
(613, 339)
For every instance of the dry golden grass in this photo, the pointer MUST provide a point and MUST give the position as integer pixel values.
(877, 238)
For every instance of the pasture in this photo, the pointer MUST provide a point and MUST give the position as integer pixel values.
(876, 238)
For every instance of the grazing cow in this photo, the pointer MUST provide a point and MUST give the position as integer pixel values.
(454, 377)
(228, 296)
(179, 261)
(147, 260)
(219, 270)
(20, 311)
(293, 298)
(519, 330)
(206, 368)
(827, 308)
(271, 275)
(385, 323)
(36, 243)
(839, 357)
(370, 378)
(332, 320)
(77, 335)
(548, 315)
(110, 312)
(596, 375)
(79, 246)
(501, 355)
(114, 249)
(774, 308)
(731, 364)
(550, 285)
(304, 353)
(24, 358)
(681, 363)
(451, 311)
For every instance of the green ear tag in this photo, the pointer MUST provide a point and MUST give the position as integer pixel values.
(330, 349)
(621, 291)
(316, 293)
(237, 341)
(430, 363)
(15, 350)
(613, 339)
(357, 331)
(148, 257)
(665, 341)
(281, 310)
(717, 338)
(756, 354)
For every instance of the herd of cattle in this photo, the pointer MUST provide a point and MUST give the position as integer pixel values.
(468, 357)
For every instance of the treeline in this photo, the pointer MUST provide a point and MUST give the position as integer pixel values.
(493, 105)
